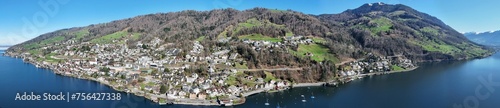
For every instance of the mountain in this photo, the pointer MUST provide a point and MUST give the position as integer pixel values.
(399, 29)
(375, 28)
(486, 38)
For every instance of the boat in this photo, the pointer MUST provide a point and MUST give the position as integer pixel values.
(303, 98)
(278, 106)
(312, 95)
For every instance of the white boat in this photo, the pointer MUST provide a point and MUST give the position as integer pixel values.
(303, 98)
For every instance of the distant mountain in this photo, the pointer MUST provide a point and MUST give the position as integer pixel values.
(4, 48)
(378, 28)
(491, 38)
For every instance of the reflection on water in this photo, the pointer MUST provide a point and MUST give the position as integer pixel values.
(433, 85)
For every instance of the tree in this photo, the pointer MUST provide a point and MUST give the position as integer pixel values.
(104, 69)
(122, 77)
(154, 72)
(94, 75)
(163, 89)
(166, 70)
(141, 80)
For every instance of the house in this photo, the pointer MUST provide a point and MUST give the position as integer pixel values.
(191, 79)
(202, 96)
(196, 90)
(308, 41)
(172, 94)
(186, 88)
(182, 94)
(211, 70)
(233, 56)
(205, 86)
(148, 88)
(192, 96)
(259, 80)
(233, 89)
(93, 62)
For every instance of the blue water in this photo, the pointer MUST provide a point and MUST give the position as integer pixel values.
(433, 85)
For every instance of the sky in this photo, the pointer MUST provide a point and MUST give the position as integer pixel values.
(21, 20)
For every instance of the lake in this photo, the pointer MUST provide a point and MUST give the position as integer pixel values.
(446, 84)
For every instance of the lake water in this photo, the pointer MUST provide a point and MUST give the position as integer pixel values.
(433, 85)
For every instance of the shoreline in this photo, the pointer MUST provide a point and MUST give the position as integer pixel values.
(315, 84)
(210, 102)
(144, 95)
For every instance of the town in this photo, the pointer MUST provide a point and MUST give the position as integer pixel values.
(168, 78)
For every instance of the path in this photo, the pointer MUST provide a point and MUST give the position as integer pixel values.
(274, 69)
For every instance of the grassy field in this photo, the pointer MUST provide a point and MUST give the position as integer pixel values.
(430, 30)
(34, 51)
(320, 53)
(49, 41)
(109, 38)
(31, 46)
(201, 38)
(238, 78)
(289, 34)
(433, 46)
(223, 34)
(438, 47)
(383, 24)
(269, 77)
(253, 22)
(80, 34)
(52, 40)
(473, 50)
(260, 37)
(396, 68)
(49, 58)
(318, 40)
(239, 66)
(136, 36)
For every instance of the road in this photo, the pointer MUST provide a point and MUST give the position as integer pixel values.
(274, 69)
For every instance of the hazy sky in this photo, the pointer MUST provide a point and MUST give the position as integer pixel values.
(21, 20)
